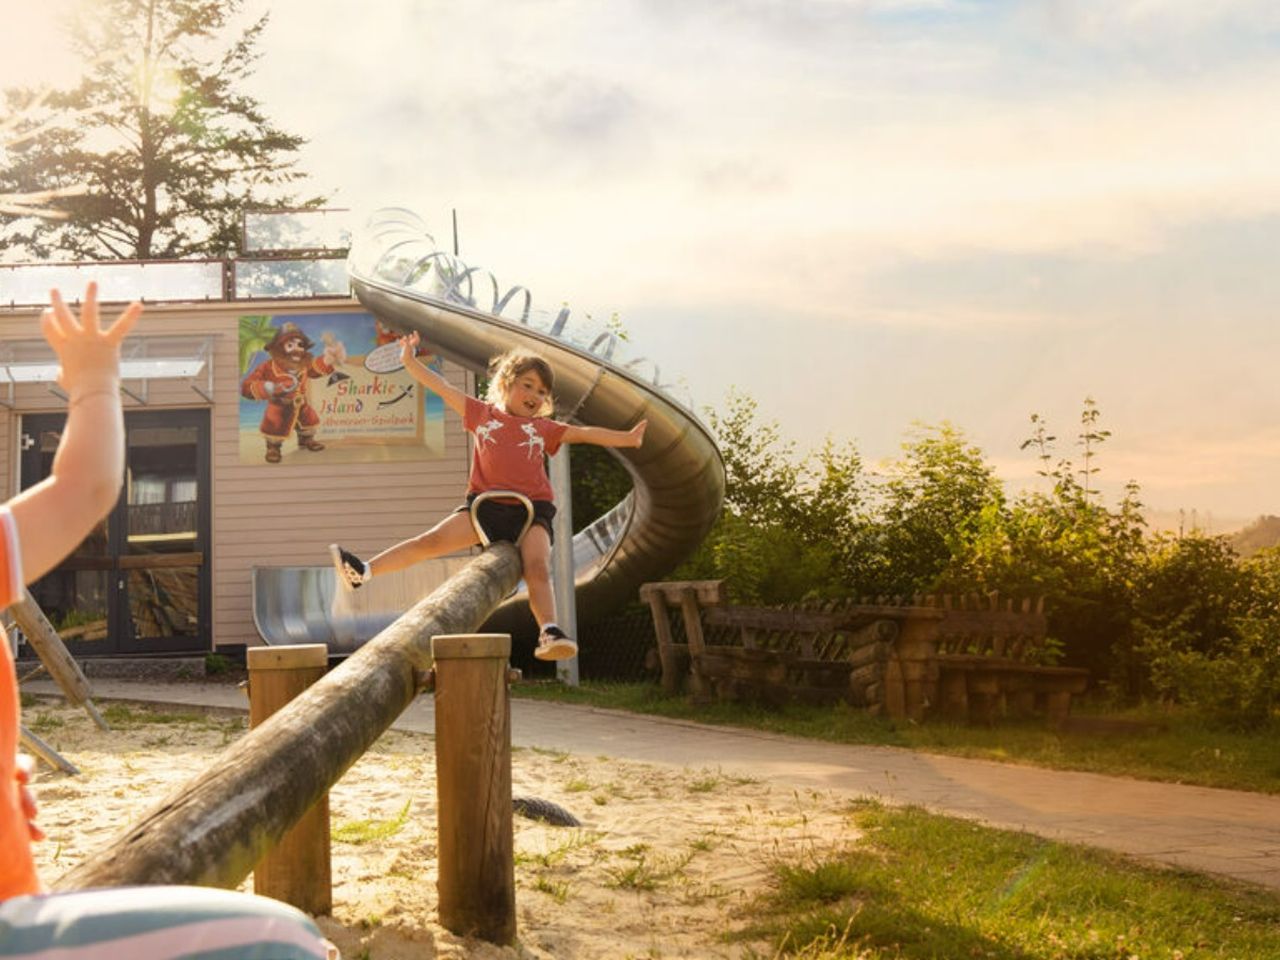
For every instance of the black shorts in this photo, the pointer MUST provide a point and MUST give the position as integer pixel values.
(504, 521)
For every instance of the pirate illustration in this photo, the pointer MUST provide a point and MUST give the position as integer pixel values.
(282, 381)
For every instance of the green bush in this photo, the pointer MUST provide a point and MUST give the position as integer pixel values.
(1182, 618)
(216, 663)
(1236, 687)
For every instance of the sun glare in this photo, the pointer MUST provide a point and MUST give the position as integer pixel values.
(159, 90)
(36, 54)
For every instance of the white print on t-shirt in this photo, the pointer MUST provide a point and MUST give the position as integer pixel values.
(484, 431)
(535, 440)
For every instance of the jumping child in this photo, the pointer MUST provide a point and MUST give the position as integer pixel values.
(512, 431)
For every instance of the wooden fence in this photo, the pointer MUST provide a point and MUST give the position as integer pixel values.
(971, 658)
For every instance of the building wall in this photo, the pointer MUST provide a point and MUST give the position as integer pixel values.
(285, 514)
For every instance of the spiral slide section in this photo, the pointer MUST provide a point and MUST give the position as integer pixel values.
(678, 477)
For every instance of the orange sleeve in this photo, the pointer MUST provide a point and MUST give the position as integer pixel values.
(17, 870)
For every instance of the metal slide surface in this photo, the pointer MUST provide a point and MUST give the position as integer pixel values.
(463, 314)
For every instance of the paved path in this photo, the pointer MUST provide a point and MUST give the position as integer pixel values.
(1226, 832)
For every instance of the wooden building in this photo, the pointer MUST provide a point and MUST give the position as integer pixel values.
(170, 571)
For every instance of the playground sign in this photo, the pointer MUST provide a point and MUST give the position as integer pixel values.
(308, 396)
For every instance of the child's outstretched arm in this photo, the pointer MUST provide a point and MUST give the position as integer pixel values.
(57, 513)
(604, 437)
(453, 398)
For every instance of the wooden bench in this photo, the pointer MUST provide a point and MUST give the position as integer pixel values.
(991, 661)
(768, 654)
(971, 659)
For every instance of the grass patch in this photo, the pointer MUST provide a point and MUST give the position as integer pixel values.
(1184, 751)
(123, 715)
(46, 723)
(370, 831)
(923, 886)
(217, 663)
(555, 856)
(646, 870)
(557, 890)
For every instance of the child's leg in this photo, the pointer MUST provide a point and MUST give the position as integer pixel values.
(451, 534)
(535, 554)
(157, 923)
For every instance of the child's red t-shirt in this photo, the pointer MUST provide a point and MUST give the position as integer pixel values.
(508, 453)
(17, 869)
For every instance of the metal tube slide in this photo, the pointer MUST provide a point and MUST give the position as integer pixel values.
(463, 314)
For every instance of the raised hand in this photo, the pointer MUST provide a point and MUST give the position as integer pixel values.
(408, 347)
(88, 355)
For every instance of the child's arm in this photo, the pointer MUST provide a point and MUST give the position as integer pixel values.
(604, 437)
(453, 398)
(56, 514)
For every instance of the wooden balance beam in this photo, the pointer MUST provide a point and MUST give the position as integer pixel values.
(214, 829)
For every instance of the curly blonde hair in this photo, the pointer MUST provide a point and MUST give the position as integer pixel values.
(504, 369)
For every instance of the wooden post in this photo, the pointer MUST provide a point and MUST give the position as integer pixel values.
(893, 697)
(46, 752)
(476, 885)
(915, 649)
(53, 654)
(954, 691)
(662, 631)
(698, 686)
(297, 869)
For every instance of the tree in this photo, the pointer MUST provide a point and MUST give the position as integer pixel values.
(166, 146)
(933, 499)
(1066, 546)
(788, 522)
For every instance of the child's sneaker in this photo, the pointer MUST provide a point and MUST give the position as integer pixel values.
(553, 644)
(352, 571)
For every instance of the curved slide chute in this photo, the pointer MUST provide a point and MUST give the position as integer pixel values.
(463, 314)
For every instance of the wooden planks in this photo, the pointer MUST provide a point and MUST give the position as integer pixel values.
(973, 657)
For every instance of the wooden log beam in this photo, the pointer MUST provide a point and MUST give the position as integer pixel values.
(875, 652)
(52, 652)
(213, 829)
(867, 674)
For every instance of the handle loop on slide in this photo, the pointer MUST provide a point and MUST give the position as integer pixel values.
(506, 495)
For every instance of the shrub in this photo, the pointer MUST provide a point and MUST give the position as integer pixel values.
(1237, 686)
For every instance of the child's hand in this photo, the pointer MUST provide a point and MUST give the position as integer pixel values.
(335, 351)
(88, 356)
(27, 800)
(408, 347)
(636, 434)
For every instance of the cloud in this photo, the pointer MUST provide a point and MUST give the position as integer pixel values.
(1152, 22)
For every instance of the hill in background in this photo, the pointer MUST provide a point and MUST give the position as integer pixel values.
(1203, 522)
(1262, 533)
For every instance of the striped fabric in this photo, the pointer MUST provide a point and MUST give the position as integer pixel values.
(157, 923)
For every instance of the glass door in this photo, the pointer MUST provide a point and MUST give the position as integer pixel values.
(140, 582)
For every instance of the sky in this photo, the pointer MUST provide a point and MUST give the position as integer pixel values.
(871, 216)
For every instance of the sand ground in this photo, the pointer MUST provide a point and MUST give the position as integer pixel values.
(667, 862)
